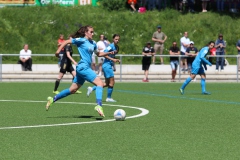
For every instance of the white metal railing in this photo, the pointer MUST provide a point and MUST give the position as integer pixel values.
(179, 58)
(121, 56)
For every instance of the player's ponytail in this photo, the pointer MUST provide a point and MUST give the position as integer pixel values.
(81, 31)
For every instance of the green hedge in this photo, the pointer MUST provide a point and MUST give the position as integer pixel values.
(40, 28)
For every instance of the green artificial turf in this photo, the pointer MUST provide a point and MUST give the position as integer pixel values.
(190, 126)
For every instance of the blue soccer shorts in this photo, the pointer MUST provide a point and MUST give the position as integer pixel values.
(84, 73)
(197, 70)
(108, 71)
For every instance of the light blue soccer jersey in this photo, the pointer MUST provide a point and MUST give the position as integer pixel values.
(201, 58)
(110, 48)
(85, 48)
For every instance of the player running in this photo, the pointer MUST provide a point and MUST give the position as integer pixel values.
(197, 68)
(86, 46)
(108, 69)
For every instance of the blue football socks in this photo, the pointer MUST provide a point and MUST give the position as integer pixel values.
(188, 80)
(110, 90)
(94, 88)
(62, 94)
(203, 85)
(99, 91)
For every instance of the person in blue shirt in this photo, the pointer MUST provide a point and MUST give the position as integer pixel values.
(197, 68)
(108, 69)
(86, 46)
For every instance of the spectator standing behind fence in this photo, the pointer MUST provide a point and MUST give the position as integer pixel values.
(60, 41)
(238, 48)
(184, 41)
(132, 4)
(191, 6)
(174, 61)
(25, 58)
(220, 5)
(220, 46)
(204, 5)
(177, 4)
(159, 38)
(147, 53)
(191, 52)
(161, 4)
(151, 5)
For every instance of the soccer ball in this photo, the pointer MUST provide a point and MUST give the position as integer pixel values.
(119, 115)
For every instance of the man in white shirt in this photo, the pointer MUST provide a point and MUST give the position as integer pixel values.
(185, 42)
(25, 58)
(101, 44)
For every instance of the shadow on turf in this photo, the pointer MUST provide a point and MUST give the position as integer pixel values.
(77, 116)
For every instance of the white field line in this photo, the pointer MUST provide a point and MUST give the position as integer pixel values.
(143, 113)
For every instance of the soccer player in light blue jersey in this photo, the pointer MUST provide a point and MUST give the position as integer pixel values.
(86, 46)
(197, 68)
(108, 69)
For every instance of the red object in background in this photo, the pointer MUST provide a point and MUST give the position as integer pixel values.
(142, 10)
(213, 51)
(130, 1)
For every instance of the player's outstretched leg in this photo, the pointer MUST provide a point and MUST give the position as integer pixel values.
(187, 81)
(78, 92)
(61, 95)
(49, 103)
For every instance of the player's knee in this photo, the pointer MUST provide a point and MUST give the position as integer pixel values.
(112, 83)
(100, 83)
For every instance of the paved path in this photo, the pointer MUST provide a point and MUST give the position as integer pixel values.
(124, 73)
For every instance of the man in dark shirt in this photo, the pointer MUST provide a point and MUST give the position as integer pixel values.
(147, 53)
(191, 52)
(174, 60)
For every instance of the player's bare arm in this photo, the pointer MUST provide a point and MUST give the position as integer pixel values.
(62, 46)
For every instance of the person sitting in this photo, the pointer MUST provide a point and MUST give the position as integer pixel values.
(25, 58)
(132, 4)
